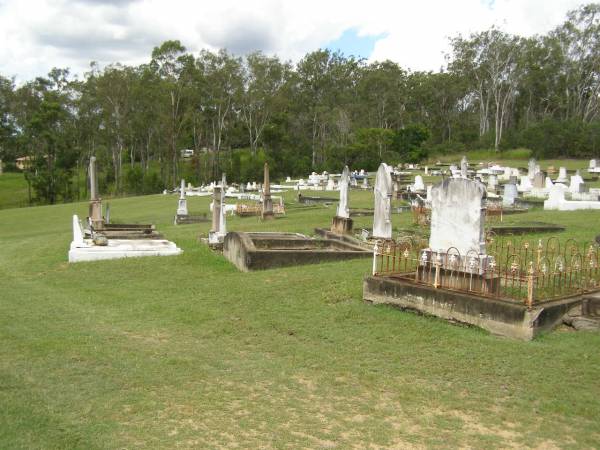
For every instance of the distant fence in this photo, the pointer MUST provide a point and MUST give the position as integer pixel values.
(512, 270)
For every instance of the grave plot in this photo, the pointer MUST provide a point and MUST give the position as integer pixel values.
(509, 287)
(183, 217)
(103, 240)
(266, 250)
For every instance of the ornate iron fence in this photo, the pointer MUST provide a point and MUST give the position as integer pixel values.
(512, 270)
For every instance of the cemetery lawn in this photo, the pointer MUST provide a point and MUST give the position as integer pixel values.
(188, 352)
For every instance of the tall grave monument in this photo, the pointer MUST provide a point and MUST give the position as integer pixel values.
(342, 223)
(382, 217)
(267, 202)
(95, 208)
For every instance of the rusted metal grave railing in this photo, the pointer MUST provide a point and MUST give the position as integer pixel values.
(514, 270)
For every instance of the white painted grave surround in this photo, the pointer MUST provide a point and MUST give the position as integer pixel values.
(457, 216)
(382, 217)
(557, 201)
(84, 249)
(342, 209)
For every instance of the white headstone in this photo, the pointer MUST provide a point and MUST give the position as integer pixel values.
(576, 183)
(342, 209)
(509, 195)
(419, 185)
(562, 175)
(593, 163)
(182, 206)
(531, 168)
(464, 167)
(330, 185)
(525, 184)
(457, 216)
(77, 233)
(492, 181)
(549, 183)
(382, 217)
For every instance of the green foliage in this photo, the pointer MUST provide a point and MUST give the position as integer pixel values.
(408, 143)
(572, 139)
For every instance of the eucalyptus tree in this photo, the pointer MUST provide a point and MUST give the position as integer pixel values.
(264, 78)
(175, 68)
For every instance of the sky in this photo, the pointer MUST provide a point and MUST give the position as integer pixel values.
(37, 35)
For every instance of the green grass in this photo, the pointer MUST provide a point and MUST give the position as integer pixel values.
(188, 352)
(13, 190)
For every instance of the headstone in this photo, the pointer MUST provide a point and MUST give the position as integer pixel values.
(365, 184)
(382, 217)
(509, 195)
(593, 164)
(342, 223)
(426, 170)
(464, 167)
(330, 185)
(219, 228)
(458, 216)
(492, 181)
(182, 209)
(267, 203)
(577, 185)
(549, 183)
(342, 209)
(419, 185)
(95, 207)
(562, 175)
(531, 168)
(539, 180)
(525, 184)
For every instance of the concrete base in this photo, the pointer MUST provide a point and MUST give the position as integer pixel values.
(502, 317)
(121, 248)
(259, 251)
(341, 225)
(188, 219)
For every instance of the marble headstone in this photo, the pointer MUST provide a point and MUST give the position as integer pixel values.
(382, 217)
(182, 209)
(458, 216)
(509, 194)
(342, 209)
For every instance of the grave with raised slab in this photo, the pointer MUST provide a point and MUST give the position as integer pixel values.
(103, 240)
(259, 251)
(511, 289)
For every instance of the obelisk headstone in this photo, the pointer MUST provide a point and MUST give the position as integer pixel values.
(95, 208)
(218, 228)
(182, 209)
(342, 223)
(267, 202)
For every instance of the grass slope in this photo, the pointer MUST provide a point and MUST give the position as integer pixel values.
(188, 352)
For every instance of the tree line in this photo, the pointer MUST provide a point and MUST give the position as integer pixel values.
(496, 91)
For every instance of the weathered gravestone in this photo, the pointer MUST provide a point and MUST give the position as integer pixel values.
(509, 195)
(458, 216)
(464, 167)
(539, 180)
(219, 227)
(267, 202)
(382, 217)
(182, 209)
(342, 223)
(562, 175)
(95, 207)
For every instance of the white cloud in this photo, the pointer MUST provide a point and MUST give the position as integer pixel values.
(37, 35)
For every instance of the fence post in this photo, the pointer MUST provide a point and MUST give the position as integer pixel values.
(375, 249)
(530, 286)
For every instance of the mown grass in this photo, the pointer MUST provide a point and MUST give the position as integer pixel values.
(13, 190)
(188, 352)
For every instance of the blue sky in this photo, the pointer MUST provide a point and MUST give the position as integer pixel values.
(350, 43)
